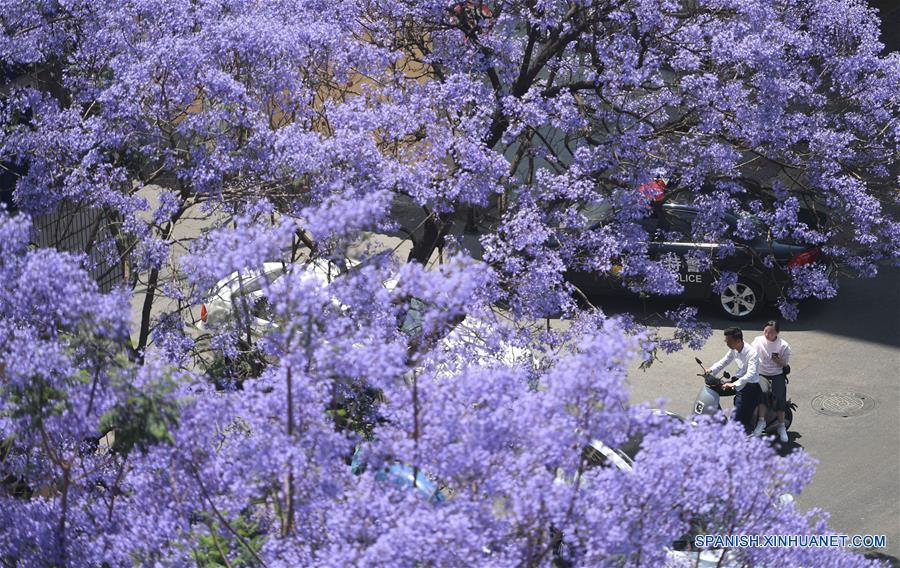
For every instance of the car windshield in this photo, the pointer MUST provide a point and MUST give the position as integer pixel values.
(412, 321)
(249, 281)
(594, 457)
(595, 212)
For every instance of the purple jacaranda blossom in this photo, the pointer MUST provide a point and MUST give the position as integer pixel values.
(151, 253)
(292, 127)
(811, 280)
(788, 309)
(342, 216)
(501, 437)
(170, 339)
(169, 204)
(448, 143)
(224, 251)
(687, 329)
(725, 280)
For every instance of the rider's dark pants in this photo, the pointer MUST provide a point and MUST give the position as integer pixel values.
(779, 391)
(745, 401)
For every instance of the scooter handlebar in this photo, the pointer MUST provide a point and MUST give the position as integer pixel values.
(715, 383)
(710, 379)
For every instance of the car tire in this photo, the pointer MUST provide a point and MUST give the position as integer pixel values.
(740, 301)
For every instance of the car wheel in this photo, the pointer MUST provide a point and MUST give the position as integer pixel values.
(741, 300)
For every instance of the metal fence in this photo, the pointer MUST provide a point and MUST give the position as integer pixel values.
(81, 229)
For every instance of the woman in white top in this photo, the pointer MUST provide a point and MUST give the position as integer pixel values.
(774, 355)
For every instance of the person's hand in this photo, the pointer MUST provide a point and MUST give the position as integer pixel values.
(727, 386)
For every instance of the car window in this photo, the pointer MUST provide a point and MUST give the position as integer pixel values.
(677, 224)
(593, 457)
(678, 221)
(248, 298)
(757, 227)
(649, 224)
(632, 446)
(412, 322)
(596, 212)
(261, 309)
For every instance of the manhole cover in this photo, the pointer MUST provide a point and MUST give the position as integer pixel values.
(844, 404)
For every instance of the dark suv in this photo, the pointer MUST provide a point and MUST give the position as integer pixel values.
(670, 229)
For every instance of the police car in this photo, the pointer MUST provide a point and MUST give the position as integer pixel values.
(670, 228)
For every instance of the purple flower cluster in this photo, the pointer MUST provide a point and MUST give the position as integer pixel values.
(688, 330)
(396, 414)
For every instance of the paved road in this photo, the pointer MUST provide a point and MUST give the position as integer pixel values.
(848, 344)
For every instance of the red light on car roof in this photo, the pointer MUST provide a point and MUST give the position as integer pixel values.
(654, 190)
(804, 258)
(203, 312)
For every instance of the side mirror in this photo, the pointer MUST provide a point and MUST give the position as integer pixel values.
(726, 375)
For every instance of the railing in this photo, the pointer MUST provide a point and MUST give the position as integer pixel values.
(82, 229)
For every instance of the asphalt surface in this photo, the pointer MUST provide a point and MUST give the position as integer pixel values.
(850, 344)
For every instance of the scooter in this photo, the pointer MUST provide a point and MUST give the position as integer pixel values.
(708, 400)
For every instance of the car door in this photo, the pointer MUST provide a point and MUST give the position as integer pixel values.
(675, 248)
(609, 283)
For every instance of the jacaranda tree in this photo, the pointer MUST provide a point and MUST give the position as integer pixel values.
(295, 126)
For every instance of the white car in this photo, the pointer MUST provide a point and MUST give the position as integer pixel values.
(245, 290)
(241, 295)
(598, 454)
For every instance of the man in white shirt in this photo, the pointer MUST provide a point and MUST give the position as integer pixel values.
(746, 381)
(774, 355)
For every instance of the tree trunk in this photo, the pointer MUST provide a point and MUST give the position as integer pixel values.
(435, 231)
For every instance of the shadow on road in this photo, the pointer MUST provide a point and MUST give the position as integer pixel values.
(864, 309)
(792, 446)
